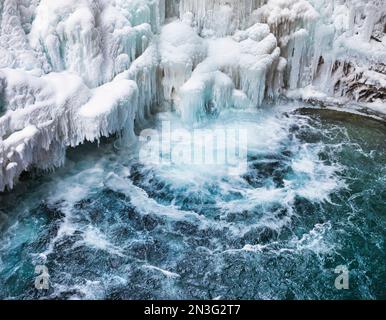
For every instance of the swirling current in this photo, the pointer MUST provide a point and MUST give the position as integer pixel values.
(107, 226)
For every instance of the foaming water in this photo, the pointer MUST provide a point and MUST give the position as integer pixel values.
(108, 225)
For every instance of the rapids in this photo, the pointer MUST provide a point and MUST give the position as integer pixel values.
(108, 225)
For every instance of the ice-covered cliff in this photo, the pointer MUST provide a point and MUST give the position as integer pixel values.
(72, 71)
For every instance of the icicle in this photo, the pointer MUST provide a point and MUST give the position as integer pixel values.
(220, 17)
(295, 59)
(372, 16)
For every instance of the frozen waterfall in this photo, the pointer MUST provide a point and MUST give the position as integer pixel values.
(74, 71)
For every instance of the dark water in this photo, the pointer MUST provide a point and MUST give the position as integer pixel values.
(107, 226)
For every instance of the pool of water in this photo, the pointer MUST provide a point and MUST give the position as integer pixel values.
(109, 226)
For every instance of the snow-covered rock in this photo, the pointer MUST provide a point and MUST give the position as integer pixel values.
(49, 113)
(181, 51)
(338, 46)
(94, 39)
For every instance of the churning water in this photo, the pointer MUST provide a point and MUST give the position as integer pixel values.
(109, 226)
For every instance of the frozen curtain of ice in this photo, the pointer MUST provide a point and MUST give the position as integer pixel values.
(77, 70)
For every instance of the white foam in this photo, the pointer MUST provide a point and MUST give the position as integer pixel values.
(167, 273)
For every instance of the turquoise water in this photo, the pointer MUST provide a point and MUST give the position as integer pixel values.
(108, 226)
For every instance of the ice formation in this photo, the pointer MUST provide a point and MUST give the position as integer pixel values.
(72, 71)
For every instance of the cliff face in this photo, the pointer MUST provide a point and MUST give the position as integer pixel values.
(72, 71)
